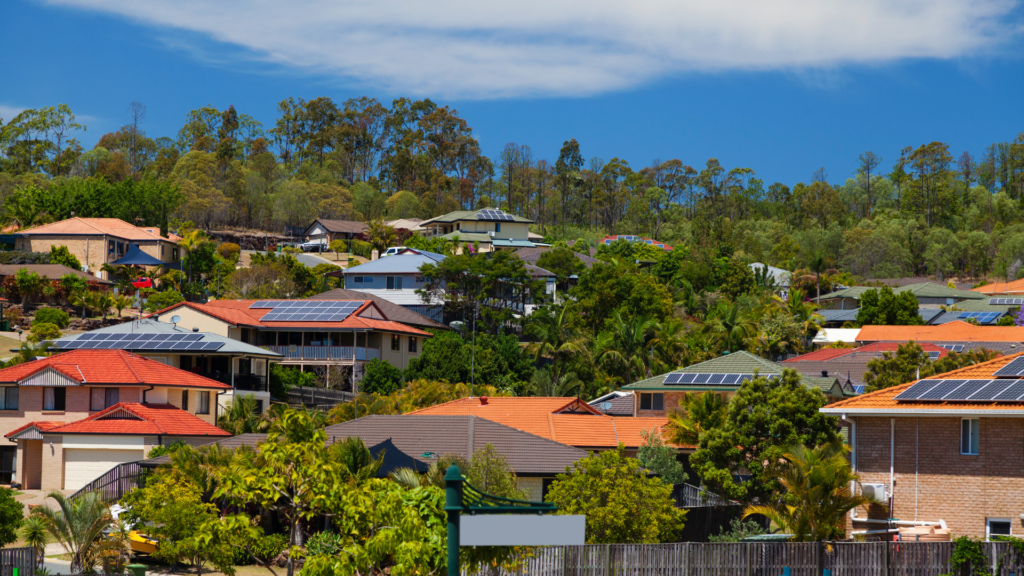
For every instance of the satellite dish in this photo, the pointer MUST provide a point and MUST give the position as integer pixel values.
(175, 319)
(606, 406)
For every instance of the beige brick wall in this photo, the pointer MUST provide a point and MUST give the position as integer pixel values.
(402, 356)
(30, 464)
(672, 400)
(92, 251)
(174, 396)
(53, 465)
(934, 481)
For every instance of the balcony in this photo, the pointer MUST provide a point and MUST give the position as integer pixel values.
(343, 353)
(244, 382)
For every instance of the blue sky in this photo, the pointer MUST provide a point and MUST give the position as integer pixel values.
(780, 86)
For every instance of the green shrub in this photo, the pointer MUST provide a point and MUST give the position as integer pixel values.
(380, 377)
(324, 544)
(44, 331)
(10, 517)
(229, 251)
(269, 546)
(163, 449)
(53, 316)
(360, 248)
(61, 255)
(162, 300)
(284, 379)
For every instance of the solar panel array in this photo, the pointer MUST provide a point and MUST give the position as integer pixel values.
(981, 317)
(1014, 368)
(933, 355)
(965, 391)
(1006, 301)
(492, 214)
(307, 310)
(859, 388)
(123, 341)
(679, 378)
(953, 347)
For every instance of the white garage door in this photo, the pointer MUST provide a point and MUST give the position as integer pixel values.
(82, 466)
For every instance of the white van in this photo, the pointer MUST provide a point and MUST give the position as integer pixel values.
(392, 251)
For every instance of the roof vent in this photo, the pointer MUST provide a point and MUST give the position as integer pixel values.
(195, 329)
(483, 400)
(824, 373)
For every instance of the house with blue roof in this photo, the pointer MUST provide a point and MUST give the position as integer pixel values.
(396, 279)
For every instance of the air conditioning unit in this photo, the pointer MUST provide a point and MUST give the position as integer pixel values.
(876, 492)
(491, 233)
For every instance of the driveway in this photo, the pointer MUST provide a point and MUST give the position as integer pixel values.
(310, 260)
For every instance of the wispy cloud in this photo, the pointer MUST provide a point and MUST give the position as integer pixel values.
(473, 49)
(8, 112)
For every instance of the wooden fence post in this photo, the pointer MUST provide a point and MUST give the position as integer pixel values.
(686, 561)
(885, 558)
(750, 559)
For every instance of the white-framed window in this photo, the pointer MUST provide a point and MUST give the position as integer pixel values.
(652, 401)
(970, 429)
(998, 527)
(204, 403)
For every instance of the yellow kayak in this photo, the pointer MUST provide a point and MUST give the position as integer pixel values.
(140, 543)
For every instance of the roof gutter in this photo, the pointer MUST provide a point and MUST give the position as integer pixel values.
(923, 413)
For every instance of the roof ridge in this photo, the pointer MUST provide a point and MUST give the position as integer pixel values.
(126, 357)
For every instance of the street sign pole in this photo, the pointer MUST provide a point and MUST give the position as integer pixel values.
(529, 526)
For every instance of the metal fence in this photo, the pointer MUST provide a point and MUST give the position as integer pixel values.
(689, 496)
(116, 482)
(318, 397)
(761, 559)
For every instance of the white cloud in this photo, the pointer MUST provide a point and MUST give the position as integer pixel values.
(475, 49)
(9, 112)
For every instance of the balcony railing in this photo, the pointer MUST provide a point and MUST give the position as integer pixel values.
(357, 353)
(250, 383)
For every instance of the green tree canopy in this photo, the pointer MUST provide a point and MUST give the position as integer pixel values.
(883, 307)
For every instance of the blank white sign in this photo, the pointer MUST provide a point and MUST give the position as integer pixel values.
(522, 530)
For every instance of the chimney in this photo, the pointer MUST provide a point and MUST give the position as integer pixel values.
(824, 373)
(483, 400)
(375, 254)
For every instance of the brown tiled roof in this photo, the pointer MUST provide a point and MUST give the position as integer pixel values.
(343, 226)
(527, 454)
(51, 271)
(390, 309)
(955, 331)
(95, 227)
(883, 401)
(1002, 288)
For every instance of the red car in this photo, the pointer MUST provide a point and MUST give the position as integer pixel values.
(143, 282)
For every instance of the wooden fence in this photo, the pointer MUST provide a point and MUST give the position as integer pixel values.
(24, 559)
(760, 559)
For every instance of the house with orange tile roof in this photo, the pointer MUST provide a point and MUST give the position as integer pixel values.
(566, 420)
(309, 334)
(944, 451)
(98, 241)
(71, 417)
(958, 336)
(1014, 288)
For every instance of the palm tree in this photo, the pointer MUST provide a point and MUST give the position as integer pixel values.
(407, 477)
(77, 525)
(819, 263)
(818, 496)
(241, 416)
(669, 343)
(190, 240)
(29, 351)
(627, 344)
(697, 414)
(120, 302)
(805, 313)
(102, 302)
(380, 235)
(355, 459)
(23, 213)
(544, 383)
(732, 326)
(33, 532)
(556, 337)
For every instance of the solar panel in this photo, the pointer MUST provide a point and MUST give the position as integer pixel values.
(915, 391)
(859, 388)
(1012, 392)
(990, 390)
(701, 378)
(1014, 368)
(673, 378)
(732, 379)
(966, 390)
(938, 392)
(1006, 301)
(933, 355)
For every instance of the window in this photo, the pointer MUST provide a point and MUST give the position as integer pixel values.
(998, 527)
(245, 335)
(412, 344)
(394, 282)
(969, 429)
(103, 398)
(245, 366)
(357, 279)
(204, 403)
(10, 398)
(162, 249)
(396, 342)
(54, 398)
(497, 226)
(174, 254)
(184, 400)
(110, 246)
(652, 401)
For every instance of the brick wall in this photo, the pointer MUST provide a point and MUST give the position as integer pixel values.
(934, 481)
(672, 400)
(53, 465)
(92, 251)
(30, 464)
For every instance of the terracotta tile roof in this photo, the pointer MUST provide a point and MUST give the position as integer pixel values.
(883, 401)
(141, 419)
(820, 355)
(956, 331)
(546, 417)
(826, 354)
(1001, 288)
(239, 313)
(41, 425)
(94, 227)
(110, 367)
